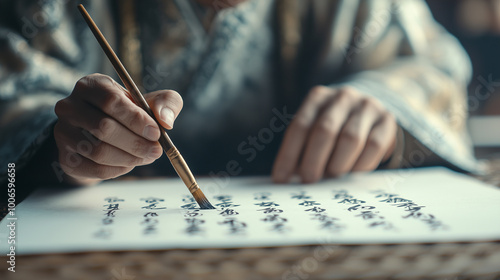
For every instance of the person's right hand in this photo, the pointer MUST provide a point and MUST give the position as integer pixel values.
(101, 134)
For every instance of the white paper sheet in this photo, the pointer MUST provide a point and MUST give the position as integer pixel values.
(428, 205)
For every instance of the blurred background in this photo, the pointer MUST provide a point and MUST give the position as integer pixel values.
(476, 23)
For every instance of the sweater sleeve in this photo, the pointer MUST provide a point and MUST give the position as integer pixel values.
(400, 55)
(44, 50)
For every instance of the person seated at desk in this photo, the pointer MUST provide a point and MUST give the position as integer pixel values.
(284, 87)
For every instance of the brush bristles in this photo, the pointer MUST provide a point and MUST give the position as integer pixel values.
(202, 200)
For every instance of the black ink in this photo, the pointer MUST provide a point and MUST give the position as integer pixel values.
(228, 212)
(270, 210)
(261, 196)
(152, 214)
(189, 206)
(309, 203)
(153, 203)
(113, 199)
(112, 206)
(351, 201)
(235, 226)
(194, 213)
(266, 204)
(274, 218)
(316, 209)
(226, 204)
(300, 196)
(368, 215)
(356, 207)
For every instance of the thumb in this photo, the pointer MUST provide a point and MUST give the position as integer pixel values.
(166, 106)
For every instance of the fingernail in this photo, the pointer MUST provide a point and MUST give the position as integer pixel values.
(155, 153)
(167, 116)
(151, 133)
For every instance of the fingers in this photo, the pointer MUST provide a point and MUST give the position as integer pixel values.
(334, 132)
(379, 145)
(81, 169)
(84, 169)
(101, 133)
(79, 141)
(296, 134)
(107, 96)
(110, 131)
(323, 137)
(166, 105)
(352, 139)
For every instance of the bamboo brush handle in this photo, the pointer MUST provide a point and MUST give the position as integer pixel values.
(173, 154)
(182, 169)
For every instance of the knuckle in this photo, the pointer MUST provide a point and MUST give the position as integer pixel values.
(348, 90)
(343, 97)
(350, 135)
(87, 82)
(388, 117)
(326, 126)
(82, 83)
(318, 92)
(99, 153)
(105, 81)
(60, 107)
(93, 81)
(365, 103)
(300, 123)
(107, 127)
(136, 119)
(111, 100)
(375, 144)
(347, 93)
(138, 148)
(370, 104)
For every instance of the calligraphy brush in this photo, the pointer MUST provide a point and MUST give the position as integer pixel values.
(170, 150)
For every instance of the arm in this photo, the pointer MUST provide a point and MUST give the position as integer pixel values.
(423, 83)
(43, 52)
(39, 68)
(403, 65)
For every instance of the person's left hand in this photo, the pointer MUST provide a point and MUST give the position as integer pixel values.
(336, 130)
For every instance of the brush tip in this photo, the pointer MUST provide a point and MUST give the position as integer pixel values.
(202, 200)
